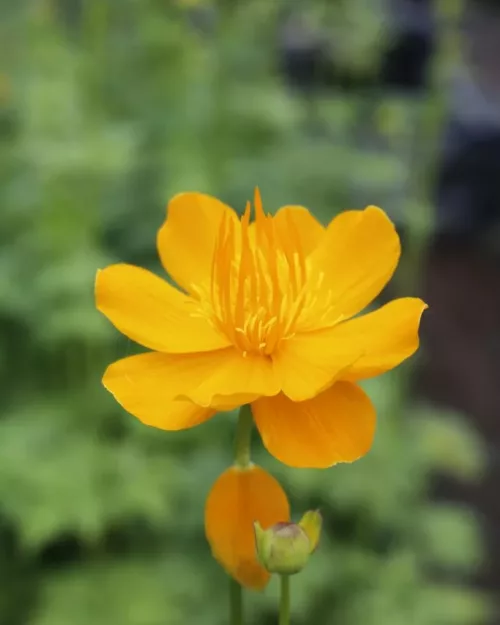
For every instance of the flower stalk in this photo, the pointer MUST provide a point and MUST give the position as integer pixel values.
(241, 460)
(284, 600)
(243, 437)
(235, 603)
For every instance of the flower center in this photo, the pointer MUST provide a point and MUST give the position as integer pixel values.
(262, 286)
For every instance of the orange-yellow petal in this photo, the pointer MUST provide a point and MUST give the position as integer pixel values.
(358, 348)
(227, 378)
(186, 241)
(306, 364)
(153, 313)
(217, 380)
(224, 403)
(237, 499)
(387, 336)
(336, 426)
(357, 256)
(143, 385)
(303, 225)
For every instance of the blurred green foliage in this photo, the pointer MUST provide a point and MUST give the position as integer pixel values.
(106, 110)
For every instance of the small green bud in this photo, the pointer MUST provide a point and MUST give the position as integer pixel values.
(284, 548)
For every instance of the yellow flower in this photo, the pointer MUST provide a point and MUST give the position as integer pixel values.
(264, 315)
(239, 497)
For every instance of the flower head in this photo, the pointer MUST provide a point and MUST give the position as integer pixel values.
(285, 547)
(264, 314)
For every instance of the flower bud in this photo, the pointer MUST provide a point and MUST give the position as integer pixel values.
(284, 548)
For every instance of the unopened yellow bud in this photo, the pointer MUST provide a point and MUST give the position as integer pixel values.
(284, 548)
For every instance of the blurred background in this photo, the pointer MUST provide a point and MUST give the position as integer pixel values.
(109, 108)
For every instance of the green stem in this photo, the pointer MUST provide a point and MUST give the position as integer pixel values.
(235, 603)
(284, 600)
(242, 461)
(243, 437)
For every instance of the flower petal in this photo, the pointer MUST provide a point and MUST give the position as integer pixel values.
(143, 385)
(387, 336)
(358, 348)
(186, 241)
(237, 499)
(153, 313)
(225, 403)
(336, 426)
(307, 229)
(307, 364)
(146, 383)
(357, 256)
(228, 376)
